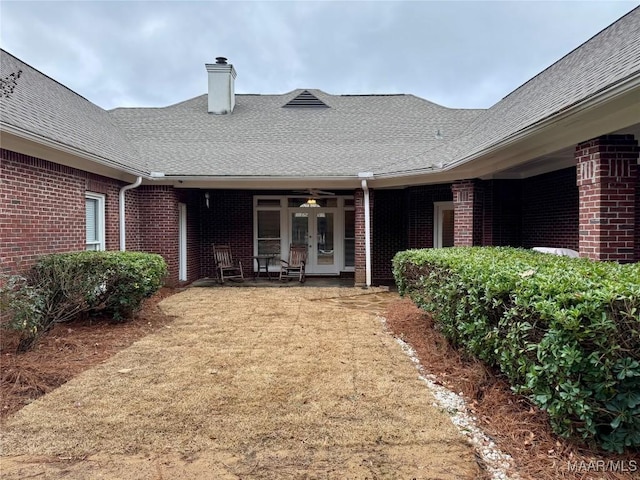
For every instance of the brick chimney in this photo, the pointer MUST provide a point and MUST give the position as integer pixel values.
(222, 76)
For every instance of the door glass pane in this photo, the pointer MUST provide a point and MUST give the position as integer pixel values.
(349, 238)
(300, 202)
(447, 228)
(311, 202)
(269, 224)
(324, 241)
(269, 234)
(299, 228)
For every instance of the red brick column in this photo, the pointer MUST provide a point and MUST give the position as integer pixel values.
(468, 220)
(607, 178)
(360, 258)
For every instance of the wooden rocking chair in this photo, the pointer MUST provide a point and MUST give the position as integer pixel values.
(294, 267)
(226, 266)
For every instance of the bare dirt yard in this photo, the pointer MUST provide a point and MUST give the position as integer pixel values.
(243, 383)
(219, 395)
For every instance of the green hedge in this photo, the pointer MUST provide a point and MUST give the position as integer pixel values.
(60, 287)
(565, 332)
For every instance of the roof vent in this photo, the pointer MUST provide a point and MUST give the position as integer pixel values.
(306, 100)
(221, 60)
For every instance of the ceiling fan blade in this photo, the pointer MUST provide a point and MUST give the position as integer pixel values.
(314, 193)
(321, 192)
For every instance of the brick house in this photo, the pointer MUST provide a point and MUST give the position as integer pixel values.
(356, 177)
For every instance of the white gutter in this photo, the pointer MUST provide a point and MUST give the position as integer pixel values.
(367, 226)
(123, 232)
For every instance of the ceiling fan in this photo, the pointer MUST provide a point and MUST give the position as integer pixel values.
(315, 193)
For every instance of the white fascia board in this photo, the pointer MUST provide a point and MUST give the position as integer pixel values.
(27, 143)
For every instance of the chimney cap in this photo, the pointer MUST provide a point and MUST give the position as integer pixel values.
(221, 60)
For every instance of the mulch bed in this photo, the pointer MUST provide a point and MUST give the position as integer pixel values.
(519, 428)
(67, 350)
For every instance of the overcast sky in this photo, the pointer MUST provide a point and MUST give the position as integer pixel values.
(458, 54)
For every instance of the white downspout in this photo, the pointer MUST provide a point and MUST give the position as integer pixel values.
(123, 234)
(367, 233)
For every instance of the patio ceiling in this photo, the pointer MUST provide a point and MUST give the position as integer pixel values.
(563, 158)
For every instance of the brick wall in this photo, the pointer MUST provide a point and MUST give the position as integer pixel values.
(419, 213)
(550, 210)
(607, 181)
(132, 214)
(228, 221)
(159, 228)
(479, 196)
(42, 209)
(637, 220)
(390, 232)
(402, 219)
(502, 213)
(158, 212)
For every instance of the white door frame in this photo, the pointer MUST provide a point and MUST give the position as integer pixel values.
(312, 265)
(281, 203)
(182, 242)
(438, 212)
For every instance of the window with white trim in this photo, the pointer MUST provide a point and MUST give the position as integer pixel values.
(268, 227)
(94, 207)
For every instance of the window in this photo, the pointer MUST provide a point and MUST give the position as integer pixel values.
(324, 202)
(94, 206)
(268, 233)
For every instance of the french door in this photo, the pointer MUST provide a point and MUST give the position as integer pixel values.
(315, 228)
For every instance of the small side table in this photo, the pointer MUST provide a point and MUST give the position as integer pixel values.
(263, 262)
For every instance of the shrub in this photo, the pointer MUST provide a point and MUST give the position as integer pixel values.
(565, 332)
(21, 305)
(60, 287)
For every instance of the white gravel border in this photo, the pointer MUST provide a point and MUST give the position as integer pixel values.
(497, 462)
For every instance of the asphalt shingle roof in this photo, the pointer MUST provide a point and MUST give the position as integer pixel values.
(47, 109)
(261, 138)
(385, 134)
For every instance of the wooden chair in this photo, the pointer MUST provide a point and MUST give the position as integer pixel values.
(294, 267)
(226, 266)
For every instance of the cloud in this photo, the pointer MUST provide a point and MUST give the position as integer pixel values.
(460, 54)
